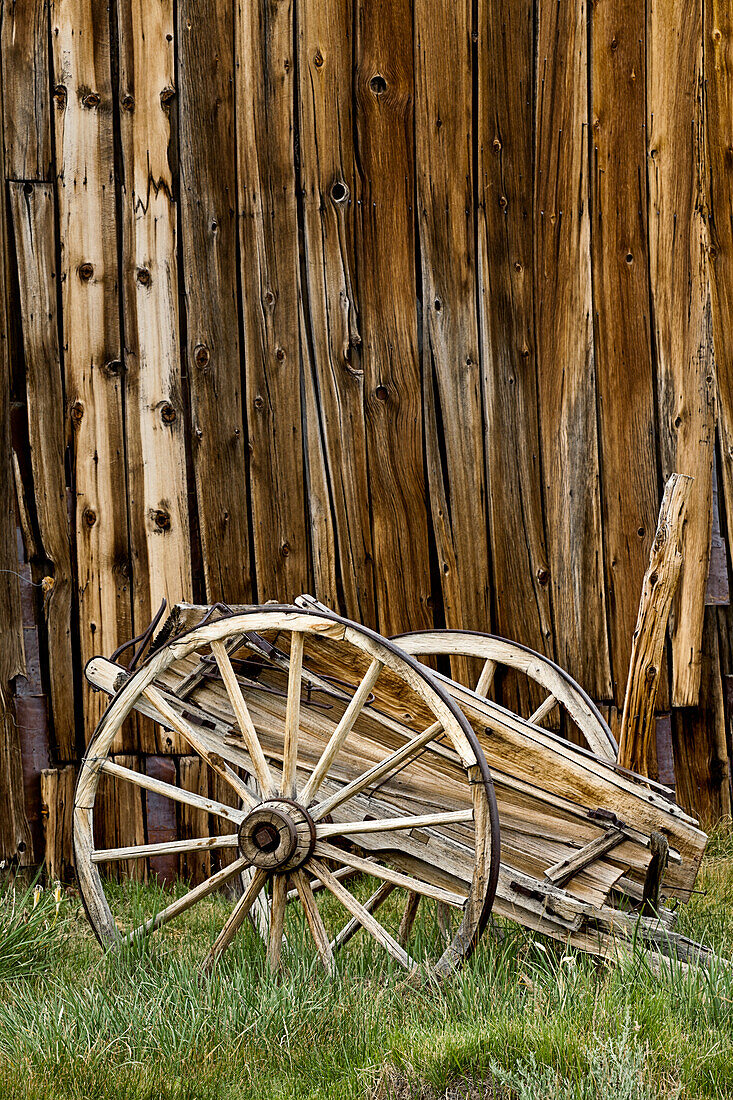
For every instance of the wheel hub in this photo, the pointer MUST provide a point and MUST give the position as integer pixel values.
(278, 835)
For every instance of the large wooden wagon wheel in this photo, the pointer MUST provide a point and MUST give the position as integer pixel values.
(345, 756)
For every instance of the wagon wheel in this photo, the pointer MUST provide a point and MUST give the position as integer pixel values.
(563, 692)
(345, 756)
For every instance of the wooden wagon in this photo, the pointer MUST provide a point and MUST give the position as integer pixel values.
(379, 788)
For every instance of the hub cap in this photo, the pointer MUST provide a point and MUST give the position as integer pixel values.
(278, 835)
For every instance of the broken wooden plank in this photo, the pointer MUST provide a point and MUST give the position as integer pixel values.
(637, 745)
(274, 354)
(208, 199)
(619, 247)
(451, 362)
(91, 349)
(566, 368)
(33, 213)
(679, 288)
(564, 869)
(385, 256)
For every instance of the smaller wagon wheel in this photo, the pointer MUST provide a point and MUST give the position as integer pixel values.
(563, 692)
(345, 757)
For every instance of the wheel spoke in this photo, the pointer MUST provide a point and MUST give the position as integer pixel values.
(139, 851)
(277, 920)
(237, 915)
(390, 824)
(241, 712)
(159, 786)
(189, 734)
(370, 923)
(259, 914)
(292, 717)
(486, 678)
(315, 921)
(342, 731)
(371, 905)
(543, 709)
(329, 851)
(182, 904)
(390, 763)
(408, 917)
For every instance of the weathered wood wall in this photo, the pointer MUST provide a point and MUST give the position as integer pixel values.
(414, 305)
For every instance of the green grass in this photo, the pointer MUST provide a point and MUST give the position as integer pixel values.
(523, 1021)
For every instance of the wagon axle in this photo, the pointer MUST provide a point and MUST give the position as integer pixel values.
(278, 835)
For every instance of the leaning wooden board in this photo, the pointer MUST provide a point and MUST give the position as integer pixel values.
(576, 831)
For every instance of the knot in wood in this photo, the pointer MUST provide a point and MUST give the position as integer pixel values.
(143, 276)
(259, 402)
(339, 191)
(378, 84)
(91, 99)
(162, 519)
(167, 95)
(543, 577)
(201, 355)
(285, 549)
(280, 354)
(318, 59)
(168, 413)
(85, 272)
(381, 393)
(77, 412)
(60, 95)
(127, 103)
(90, 517)
(496, 145)
(113, 367)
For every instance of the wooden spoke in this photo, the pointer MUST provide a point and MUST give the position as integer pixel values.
(189, 734)
(315, 921)
(159, 786)
(371, 905)
(241, 711)
(341, 732)
(316, 885)
(486, 678)
(390, 824)
(390, 763)
(140, 851)
(370, 923)
(197, 894)
(397, 878)
(237, 916)
(277, 920)
(544, 709)
(292, 717)
(259, 914)
(408, 917)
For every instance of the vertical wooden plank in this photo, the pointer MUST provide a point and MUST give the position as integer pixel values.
(26, 102)
(270, 279)
(565, 353)
(156, 463)
(385, 251)
(161, 817)
(92, 357)
(718, 78)
(222, 792)
(32, 207)
(208, 200)
(444, 168)
(702, 764)
(629, 490)
(327, 175)
(57, 807)
(130, 819)
(679, 286)
(506, 308)
(193, 776)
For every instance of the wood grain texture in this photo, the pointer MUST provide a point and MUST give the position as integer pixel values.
(385, 251)
(91, 343)
(565, 350)
(193, 776)
(328, 181)
(629, 492)
(274, 354)
(26, 102)
(718, 77)
(208, 198)
(156, 463)
(32, 209)
(130, 819)
(521, 591)
(680, 297)
(57, 803)
(160, 816)
(637, 744)
(451, 367)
